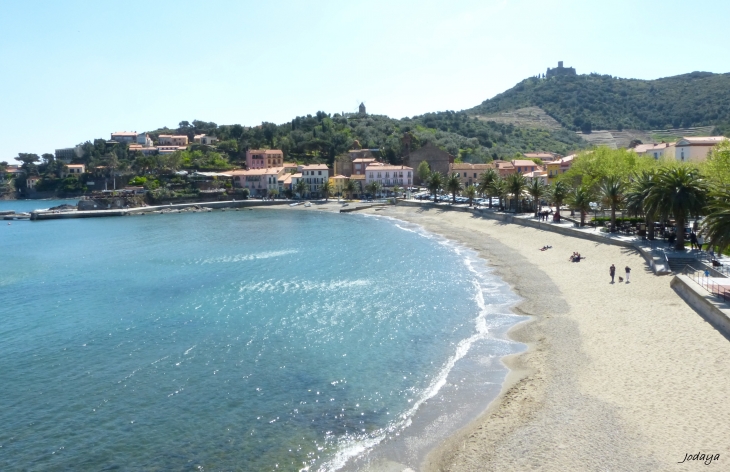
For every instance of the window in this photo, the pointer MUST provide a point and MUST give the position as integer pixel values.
(320, 173)
(475, 175)
(371, 175)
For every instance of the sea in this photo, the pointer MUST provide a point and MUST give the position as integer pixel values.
(240, 340)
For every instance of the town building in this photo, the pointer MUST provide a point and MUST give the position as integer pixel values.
(388, 176)
(31, 181)
(345, 163)
(263, 158)
(259, 182)
(315, 175)
(172, 140)
(144, 140)
(561, 166)
(540, 175)
(169, 149)
(657, 151)
(124, 136)
(295, 178)
(204, 139)
(504, 168)
(69, 154)
(543, 156)
(523, 166)
(73, 170)
(695, 148)
(469, 174)
(338, 183)
(437, 159)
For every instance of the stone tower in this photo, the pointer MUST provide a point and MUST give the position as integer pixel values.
(362, 109)
(560, 71)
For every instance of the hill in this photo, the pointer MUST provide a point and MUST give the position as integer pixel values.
(589, 102)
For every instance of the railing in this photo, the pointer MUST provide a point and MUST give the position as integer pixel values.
(698, 276)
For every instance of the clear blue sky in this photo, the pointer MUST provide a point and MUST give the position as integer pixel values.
(79, 69)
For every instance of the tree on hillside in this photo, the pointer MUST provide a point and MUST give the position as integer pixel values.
(29, 161)
(612, 192)
(679, 191)
(453, 185)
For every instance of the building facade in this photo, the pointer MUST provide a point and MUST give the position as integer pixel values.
(125, 136)
(73, 170)
(172, 140)
(437, 159)
(315, 175)
(388, 176)
(263, 158)
(695, 148)
(470, 174)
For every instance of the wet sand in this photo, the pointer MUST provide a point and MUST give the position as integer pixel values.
(617, 376)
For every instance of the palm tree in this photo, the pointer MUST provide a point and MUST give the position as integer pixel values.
(580, 199)
(612, 191)
(679, 191)
(435, 183)
(396, 190)
(470, 192)
(558, 193)
(637, 195)
(485, 183)
(453, 185)
(717, 223)
(301, 187)
(516, 183)
(498, 188)
(373, 188)
(537, 190)
(326, 188)
(349, 188)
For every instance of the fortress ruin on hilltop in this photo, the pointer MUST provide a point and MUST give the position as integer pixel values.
(560, 71)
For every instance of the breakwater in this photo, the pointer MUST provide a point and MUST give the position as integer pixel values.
(56, 215)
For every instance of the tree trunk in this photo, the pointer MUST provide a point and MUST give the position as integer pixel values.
(453, 198)
(680, 233)
(613, 218)
(557, 211)
(490, 201)
(582, 218)
(650, 230)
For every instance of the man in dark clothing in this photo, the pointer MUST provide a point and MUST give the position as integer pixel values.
(612, 271)
(628, 272)
(692, 240)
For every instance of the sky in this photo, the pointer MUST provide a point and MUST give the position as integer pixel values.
(76, 70)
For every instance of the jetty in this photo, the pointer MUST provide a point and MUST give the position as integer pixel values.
(157, 209)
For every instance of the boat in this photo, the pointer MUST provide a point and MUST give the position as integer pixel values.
(308, 204)
(295, 204)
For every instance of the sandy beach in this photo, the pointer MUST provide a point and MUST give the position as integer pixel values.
(617, 376)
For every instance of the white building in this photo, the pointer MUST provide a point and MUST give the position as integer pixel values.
(259, 182)
(68, 154)
(389, 176)
(315, 175)
(73, 170)
(173, 140)
(204, 139)
(144, 139)
(125, 136)
(695, 148)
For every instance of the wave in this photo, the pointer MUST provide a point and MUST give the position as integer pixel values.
(352, 446)
(283, 286)
(246, 257)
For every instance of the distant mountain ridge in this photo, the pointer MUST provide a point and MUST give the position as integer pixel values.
(602, 102)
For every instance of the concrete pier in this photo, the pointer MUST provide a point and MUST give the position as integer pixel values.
(59, 215)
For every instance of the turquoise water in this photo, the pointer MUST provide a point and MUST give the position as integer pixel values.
(252, 340)
(30, 205)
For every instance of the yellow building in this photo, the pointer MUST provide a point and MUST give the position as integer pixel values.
(338, 183)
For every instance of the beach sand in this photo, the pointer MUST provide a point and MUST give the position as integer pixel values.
(617, 376)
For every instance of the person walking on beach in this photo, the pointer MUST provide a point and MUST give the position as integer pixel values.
(612, 271)
(628, 272)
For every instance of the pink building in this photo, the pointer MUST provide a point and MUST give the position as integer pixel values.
(263, 158)
(259, 182)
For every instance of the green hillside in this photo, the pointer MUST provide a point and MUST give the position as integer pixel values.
(603, 102)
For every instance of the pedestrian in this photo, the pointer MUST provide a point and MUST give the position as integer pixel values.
(612, 271)
(700, 241)
(693, 240)
(628, 272)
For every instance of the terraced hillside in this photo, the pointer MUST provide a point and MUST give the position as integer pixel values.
(602, 102)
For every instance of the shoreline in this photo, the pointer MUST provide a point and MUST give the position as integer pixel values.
(628, 380)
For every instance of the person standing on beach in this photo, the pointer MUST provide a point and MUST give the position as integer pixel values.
(612, 271)
(628, 272)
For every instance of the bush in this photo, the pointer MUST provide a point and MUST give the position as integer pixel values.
(137, 181)
(603, 219)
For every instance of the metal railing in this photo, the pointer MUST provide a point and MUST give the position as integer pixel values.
(700, 277)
